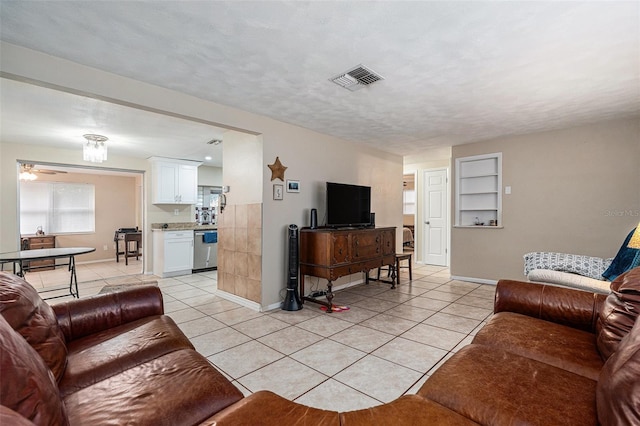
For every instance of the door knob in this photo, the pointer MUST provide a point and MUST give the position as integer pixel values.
(427, 223)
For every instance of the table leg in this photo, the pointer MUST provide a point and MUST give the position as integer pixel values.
(73, 282)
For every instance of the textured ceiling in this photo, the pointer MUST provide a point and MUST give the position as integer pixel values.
(40, 116)
(455, 72)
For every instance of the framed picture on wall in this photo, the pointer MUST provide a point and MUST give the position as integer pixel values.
(293, 185)
(278, 190)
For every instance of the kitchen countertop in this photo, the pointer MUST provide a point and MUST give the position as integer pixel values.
(183, 226)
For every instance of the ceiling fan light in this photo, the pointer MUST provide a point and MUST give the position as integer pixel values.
(27, 175)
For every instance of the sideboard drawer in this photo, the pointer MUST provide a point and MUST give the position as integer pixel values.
(42, 242)
(36, 242)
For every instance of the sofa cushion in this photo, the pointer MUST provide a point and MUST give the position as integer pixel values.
(181, 387)
(587, 266)
(618, 393)
(545, 341)
(566, 279)
(27, 386)
(98, 356)
(406, 410)
(495, 387)
(29, 315)
(266, 408)
(618, 312)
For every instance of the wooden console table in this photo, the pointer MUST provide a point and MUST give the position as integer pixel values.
(37, 242)
(333, 253)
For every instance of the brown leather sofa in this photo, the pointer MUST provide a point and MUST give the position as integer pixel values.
(109, 359)
(548, 356)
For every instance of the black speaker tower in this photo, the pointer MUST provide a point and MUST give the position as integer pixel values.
(292, 301)
(313, 220)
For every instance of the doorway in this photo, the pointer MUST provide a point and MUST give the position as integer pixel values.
(435, 217)
(112, 199)
(409, 208)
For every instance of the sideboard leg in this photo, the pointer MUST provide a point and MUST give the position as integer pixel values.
(394, 278)
(329, 297)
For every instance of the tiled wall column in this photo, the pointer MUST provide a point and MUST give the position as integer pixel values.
(240, 251)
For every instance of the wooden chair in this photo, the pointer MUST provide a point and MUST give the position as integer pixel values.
(394, 270)
(134, 238)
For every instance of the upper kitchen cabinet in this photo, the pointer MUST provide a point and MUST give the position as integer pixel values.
(174, 181)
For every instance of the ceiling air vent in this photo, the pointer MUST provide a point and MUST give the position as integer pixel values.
(356, 78)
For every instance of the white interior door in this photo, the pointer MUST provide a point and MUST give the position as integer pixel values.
(435, 217)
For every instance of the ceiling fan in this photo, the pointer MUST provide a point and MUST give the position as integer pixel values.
(28, 172)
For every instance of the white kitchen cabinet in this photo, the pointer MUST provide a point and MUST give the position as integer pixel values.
(174, 181)
(172, 253)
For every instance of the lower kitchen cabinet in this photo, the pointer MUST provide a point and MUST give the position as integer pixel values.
(172, 253)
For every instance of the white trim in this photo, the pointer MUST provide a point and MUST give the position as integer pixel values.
(335, 288)
(86, 262)
(273, 306)
(278, 305)
(349, 284)
(239, 300)
(474, 280)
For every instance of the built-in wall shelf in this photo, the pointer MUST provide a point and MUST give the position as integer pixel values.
(479, 191)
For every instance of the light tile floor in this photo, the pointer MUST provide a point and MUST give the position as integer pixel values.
(384, 346)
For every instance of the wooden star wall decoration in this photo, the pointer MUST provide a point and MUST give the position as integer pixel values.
(277, 170)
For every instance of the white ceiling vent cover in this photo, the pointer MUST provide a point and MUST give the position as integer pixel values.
(356, 78)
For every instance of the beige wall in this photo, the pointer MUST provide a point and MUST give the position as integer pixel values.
(313, 159)
(209, 176)
(115, 206)
(574, 190)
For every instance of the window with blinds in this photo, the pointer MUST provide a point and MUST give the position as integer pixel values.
(59, 208)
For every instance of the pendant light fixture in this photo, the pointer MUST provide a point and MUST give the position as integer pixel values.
(95, 150)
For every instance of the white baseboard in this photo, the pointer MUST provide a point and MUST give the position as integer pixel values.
(87, 262)
(273, 306)
(257, 307)
(278, 305)
(239, 300)
(474, 280)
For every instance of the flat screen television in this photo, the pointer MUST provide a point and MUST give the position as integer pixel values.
(348, 205)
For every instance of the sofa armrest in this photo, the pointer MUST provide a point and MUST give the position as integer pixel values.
(574, 308)
(81, 317)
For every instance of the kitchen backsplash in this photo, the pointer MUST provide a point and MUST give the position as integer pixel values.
(180, 226)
